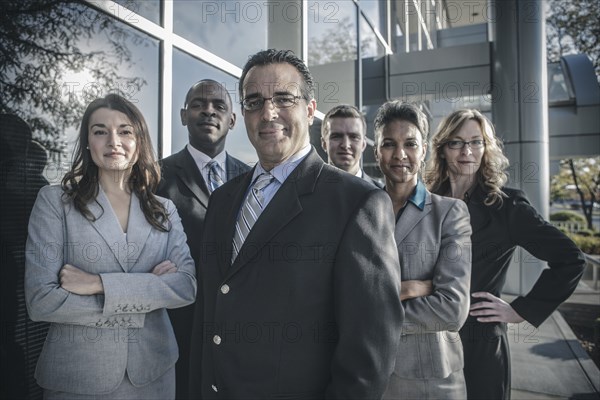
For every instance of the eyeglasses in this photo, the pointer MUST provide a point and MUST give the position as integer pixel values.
(459, 144)
(279, 101)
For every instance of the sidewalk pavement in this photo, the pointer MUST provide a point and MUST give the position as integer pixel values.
(549, 362)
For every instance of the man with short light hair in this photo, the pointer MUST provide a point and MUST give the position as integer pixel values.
(343, 137)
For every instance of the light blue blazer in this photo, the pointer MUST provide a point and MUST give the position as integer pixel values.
(94, 340)
(434, 244)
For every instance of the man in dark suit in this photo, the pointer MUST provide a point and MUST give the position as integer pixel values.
(189, 177)
(343, 137)
(300, 273)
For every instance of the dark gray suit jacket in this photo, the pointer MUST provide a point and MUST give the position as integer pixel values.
(184, 185)
(371, 180)
(310, 308)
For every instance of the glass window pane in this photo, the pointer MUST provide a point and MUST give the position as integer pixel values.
(149, 9)
(331, 32)
(232, 30)
(332, 52)
(558, 91)
(376, 10)
(370, 46)
(188, 70)
(92, 54)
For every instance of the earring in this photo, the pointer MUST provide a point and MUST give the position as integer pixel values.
(87, 147)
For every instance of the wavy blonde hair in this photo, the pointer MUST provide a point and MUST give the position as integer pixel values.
(491, 175)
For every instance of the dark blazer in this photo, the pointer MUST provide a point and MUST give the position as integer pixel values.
(371, 180)
(182, 182)
(497, 231)
(310, 308)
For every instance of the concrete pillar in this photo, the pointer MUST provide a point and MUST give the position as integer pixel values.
(520, 110)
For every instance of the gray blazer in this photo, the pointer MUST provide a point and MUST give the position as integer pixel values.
(434, 244)
(94, 340)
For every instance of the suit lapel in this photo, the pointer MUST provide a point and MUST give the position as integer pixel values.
(188, 171)
(234, 168)
(285, 206)
(225, 230)
(410, 218)
(138, 229)
(107, 225)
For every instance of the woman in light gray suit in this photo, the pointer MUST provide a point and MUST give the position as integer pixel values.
(433, 238)
(105, 258)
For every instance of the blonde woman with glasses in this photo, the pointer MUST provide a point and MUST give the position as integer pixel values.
(467, 163)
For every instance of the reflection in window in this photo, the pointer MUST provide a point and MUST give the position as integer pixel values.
(376, 11)
(188, 70)
(134, 74)
(71, 55)
(149, 9)
(331, 32)
(558, 90)
(232, 30)
(370, 46)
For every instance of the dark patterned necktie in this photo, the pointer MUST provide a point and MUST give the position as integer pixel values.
(214, 179)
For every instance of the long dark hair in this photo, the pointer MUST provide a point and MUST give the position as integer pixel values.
(81, 183)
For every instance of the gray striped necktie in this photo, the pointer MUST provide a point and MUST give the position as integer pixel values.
(251, 210)
(214, 179)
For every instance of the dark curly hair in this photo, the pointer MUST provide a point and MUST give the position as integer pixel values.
(81, 183)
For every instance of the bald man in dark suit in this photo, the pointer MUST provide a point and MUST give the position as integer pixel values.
(188, 179)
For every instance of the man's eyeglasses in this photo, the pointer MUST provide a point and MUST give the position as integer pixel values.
(279, 101)
(459, 144)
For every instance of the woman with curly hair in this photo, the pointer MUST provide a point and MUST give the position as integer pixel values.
(467, 163)
(105, 258)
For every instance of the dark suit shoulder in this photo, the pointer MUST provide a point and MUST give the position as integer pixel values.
(334, 174)
(515, 194)
(236, 167)
(174, 158)
(372, 181)
(448, 202)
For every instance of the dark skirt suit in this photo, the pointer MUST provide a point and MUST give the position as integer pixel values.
(497, 231)
(433, 238)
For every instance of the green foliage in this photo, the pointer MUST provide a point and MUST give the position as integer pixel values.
(585, 232)
(570, 216)
(587, 244)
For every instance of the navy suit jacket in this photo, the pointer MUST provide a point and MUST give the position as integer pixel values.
(311, 306)
(182, 182)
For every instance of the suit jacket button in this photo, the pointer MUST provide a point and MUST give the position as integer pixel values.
(217, 339)
(214, 388)
(225, 289)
